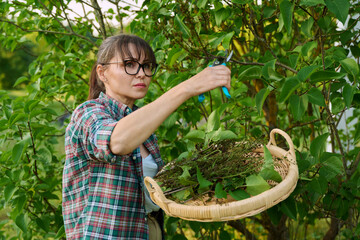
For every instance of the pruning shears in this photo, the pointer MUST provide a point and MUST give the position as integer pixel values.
(217, 62)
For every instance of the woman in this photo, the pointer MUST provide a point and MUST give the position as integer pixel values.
(109, 146)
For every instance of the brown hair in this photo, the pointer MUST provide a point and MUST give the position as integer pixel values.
(112, 46)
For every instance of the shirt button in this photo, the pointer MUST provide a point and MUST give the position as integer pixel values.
(134, 157)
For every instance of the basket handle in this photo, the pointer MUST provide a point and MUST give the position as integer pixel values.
(153, 188)
(287, 138)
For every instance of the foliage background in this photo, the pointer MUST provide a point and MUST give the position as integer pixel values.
(293, 63)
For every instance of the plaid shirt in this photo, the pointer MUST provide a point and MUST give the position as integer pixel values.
(103, 192)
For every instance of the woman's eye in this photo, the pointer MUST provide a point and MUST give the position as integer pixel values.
(129, 64)
(147, 65)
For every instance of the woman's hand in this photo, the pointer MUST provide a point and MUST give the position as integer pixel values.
(208, 79)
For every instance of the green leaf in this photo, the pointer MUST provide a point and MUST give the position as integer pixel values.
(340, 8)
(30, 105)
(9, 191)
(17, 117)
(305, 72)
(255, 185)
(268, 66)
(293, 58)
(289, 208)
(221, 15)
(185, 177)
(275, 214)
(45, 155)
(204, 184)
(268, 11)
(19, 203)
(49, 111)
(20, 222)
(357, 133)
(251, 73)
(268, 160)
(290, 85)
(267, 171)
(60, 233)
(348, 94)
(242, 1)
(332, 167)
(350, 66)
(43, 224)
(46, 67)
(324, 23)
(297, 106)
(337, 105)
(201, 3)
(61, 72)
(239, 194)
(219, 191)
(325, 76)
(311, 3)
(306, 26)
(215, 42)
(195, 135)
(213, 122)
(315, 97)
(355, 50)
(18, 150)
(68, 44)
(183, 28)
(318, 185)
(306, 50)
(286, 10)
(20, 80)
(227, 39)
(171, 120)
(318, 144)
(179, 56)
(270, 174)
(260, 99)
(223, 135)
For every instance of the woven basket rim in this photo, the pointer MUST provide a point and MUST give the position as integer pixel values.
(236, 209)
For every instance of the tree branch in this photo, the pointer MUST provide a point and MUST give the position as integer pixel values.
(66, 16)
(99, 17)
(262, 64)
(353, 167)
(49, 32)
(241, 228)
(50, 13)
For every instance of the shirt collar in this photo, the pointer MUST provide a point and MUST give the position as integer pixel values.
(119, 109)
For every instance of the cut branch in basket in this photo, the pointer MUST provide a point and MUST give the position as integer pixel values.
(223, 168)
(224, 208)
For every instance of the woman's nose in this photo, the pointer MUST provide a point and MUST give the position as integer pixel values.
(141, 72)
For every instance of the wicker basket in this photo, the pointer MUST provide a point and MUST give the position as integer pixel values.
(213, 211)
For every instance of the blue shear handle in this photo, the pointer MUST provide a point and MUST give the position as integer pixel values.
(226, 92)
(201, 98)
(224, 89)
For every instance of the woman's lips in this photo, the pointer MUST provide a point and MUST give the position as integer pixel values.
(140, 85)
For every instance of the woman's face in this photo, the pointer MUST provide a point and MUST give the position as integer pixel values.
(123, 87)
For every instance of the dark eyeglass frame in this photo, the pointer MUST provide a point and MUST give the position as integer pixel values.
(140, 66)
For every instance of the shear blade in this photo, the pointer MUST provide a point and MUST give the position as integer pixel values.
(230, 55)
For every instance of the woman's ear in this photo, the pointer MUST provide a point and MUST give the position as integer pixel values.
(101, 72)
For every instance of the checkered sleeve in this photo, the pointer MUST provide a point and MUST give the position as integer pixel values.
(98, 126)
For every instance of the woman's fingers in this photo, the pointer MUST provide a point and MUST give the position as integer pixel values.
(211, 78)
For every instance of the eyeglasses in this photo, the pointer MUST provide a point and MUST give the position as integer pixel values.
(132, 67)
